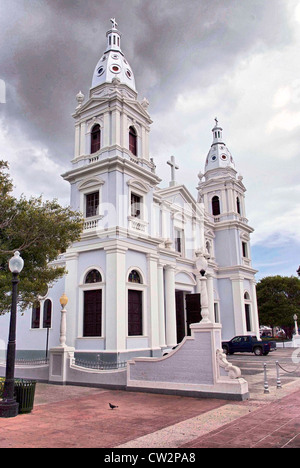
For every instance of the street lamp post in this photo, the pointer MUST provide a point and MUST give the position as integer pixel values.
(296, 324)
(9, 408)
(201, 265)
(63, 323)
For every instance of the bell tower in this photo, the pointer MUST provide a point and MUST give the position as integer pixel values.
(111, 142)
(222, 191)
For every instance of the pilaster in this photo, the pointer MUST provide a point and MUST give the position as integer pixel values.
(171, 327)
(116, 322)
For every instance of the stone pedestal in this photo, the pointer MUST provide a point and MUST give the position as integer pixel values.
(60, 363)
(296, 341)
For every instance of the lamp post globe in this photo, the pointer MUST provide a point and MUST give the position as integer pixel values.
(9, 408)
(16, 263)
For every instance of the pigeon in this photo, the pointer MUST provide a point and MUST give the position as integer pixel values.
(112, 406)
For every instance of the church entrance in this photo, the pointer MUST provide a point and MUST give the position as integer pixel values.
(193, 310)
(92, 322)
(188, 311)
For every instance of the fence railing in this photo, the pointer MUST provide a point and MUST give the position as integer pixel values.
(278, 378)
(99, 365)
(28, 362)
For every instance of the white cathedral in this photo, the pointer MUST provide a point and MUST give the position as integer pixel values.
(132, 280)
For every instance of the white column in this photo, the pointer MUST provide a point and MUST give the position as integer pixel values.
(82, 138)
(153, 299)
(161, 305)
(210, 292)
(71, 290)
(171, 325)
(106, 130)
(204, 301)
(116, 306)
(77, 141)
(238, 305)
(125, 135)
(116, 128)
(254, 314)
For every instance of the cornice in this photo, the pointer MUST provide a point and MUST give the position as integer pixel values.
(115, 163)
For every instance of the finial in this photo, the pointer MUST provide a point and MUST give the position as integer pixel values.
(80, 98)
(114, 23)
(216, 120)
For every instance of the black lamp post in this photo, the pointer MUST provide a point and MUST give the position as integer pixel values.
(9, 408)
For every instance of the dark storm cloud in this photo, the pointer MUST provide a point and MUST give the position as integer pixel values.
(50, 48)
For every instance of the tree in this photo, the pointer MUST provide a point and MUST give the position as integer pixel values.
(278, 299)
(40, 231)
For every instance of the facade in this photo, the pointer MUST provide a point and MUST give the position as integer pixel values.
(132, 281)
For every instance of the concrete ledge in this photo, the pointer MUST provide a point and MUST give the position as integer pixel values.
(191, 393)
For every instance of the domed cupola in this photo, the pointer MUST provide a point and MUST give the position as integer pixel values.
(219, 155)
(113, 63)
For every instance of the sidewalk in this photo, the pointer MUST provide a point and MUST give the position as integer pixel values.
(78, 417)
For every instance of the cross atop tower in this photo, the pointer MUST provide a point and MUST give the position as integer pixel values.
(114, 23)
(173, 168)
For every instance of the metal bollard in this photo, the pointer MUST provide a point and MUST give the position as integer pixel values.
(278, 375)
(266, 386)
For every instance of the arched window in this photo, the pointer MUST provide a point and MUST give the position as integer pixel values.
(135, 305)
(47, 314)
(134, 277)
(133, 141)
(247, 312)
(36, 315)
(95, 139)
(92, 312)
(238, 205)
(94, 276)
(216, 206)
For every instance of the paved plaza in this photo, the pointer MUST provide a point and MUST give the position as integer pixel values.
(80, 417)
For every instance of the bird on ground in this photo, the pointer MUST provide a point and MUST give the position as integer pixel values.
(113, 406)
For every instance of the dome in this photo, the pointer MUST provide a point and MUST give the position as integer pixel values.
(113, 63)
(219, 155)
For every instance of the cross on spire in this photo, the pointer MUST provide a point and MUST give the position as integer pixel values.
(174, 166)
(114, 23)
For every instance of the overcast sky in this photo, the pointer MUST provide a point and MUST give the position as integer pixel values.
(193, 60)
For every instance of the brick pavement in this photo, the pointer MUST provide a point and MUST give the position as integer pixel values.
(276, 426)
(79, 417)
(84, 420)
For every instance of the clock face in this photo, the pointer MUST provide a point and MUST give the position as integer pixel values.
(214, 157)
(100, 71)
(224, 157)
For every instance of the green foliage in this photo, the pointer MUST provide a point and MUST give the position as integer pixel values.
(40, 231)
(278, 300)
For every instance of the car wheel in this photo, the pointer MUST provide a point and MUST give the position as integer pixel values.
(258, 351)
